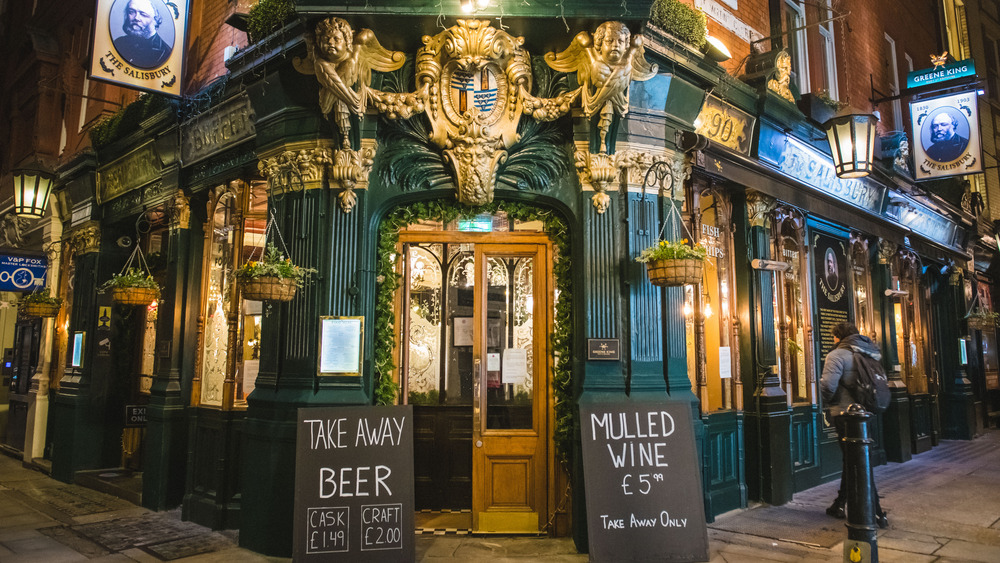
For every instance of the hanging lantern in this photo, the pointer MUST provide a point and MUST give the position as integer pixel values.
(32, 186)
(852, 143)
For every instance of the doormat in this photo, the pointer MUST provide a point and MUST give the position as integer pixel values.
(807, 527)
(160, 534)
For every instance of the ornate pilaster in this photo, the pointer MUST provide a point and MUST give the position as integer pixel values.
(85, 239)
(295, 167)
(896, 419)
(179, 211)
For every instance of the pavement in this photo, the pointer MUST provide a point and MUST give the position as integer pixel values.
(944, 506)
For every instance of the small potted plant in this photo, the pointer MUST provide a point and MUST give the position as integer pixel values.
(132, 287)
(40, 304)
(272, 278)
(674, 263)
(981, 319)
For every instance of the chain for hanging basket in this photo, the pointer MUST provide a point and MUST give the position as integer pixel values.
(269, 288)
(670, 272)
(133, 294)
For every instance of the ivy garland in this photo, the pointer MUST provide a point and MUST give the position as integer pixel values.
(388, 282)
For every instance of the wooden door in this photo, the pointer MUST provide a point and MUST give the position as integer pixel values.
(510, 366)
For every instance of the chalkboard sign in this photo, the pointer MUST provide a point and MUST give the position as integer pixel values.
(644, 497)
(354, 484)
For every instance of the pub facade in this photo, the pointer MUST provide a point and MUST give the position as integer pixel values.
(478, 196)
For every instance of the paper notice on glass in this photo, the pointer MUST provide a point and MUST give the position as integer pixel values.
(340, 345)
(493, 362)
(725, 363)
(463, 331)
(515, 366)
(250, 369)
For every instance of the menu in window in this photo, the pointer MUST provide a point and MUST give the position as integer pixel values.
(340, 345)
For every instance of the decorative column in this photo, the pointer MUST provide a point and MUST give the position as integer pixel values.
(307, 217)
(165, 454)
(896, 419)
(77, 428)
(958, 409)
(768, 418)
(38, 396)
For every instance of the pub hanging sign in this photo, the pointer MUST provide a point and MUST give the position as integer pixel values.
(140, 44)
(946, 132)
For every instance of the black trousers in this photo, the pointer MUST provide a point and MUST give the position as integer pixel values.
(840, 423)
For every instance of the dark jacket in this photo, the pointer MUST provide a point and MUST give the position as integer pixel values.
(947, 151)
(141, 52)
(840, 374)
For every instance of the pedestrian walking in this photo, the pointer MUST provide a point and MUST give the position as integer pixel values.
(838, 385)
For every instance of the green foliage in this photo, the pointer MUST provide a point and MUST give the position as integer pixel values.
(134, 277)
(679, 20)
(388, 281)
(40, 297)
(431, 397)
(667, 250)
(127, 119)
(274, 265)
(267, 16)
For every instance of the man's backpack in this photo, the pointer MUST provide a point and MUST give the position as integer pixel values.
(872, 389)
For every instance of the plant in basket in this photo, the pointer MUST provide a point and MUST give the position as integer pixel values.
(273, 277)
(132, 287)
(982, 319)
(40, 304)
(674, 263)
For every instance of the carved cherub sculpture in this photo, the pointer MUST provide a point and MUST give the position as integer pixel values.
(605, 65)
(343, 64)
(782, 77)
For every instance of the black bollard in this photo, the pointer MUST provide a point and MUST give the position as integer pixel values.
(862, 540)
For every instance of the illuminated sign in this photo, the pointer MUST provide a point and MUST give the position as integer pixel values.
(140, 44)
(946, 135)
(481, 224)
(961, 69)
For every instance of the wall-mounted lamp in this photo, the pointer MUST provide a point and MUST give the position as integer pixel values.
(715, 50)
(852, 143)
(896, 292)
(470, 6)
(32, 186)
(769, 265)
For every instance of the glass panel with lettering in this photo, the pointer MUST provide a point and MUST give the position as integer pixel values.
(509, 335)
(425, 324)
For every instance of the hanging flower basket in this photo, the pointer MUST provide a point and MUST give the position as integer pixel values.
(675, 272)
(134, 295)
(273, 277)
(269, 288)
(44, 310)
(672, 264)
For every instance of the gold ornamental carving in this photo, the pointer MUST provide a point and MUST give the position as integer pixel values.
(473, 83)
(783, 77)
(598, 170)
(179, 210)
(343, 62)
(886, 251)
(295, 170)
(346, 170)
(605, 66)
(85, 239)
(759, 208)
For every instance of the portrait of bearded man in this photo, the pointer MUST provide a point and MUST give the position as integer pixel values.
(142, 46)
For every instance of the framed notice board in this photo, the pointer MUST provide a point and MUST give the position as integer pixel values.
(340, 345)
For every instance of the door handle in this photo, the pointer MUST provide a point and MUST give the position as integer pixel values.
(476, 399)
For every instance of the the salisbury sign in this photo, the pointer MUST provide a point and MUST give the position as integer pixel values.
(644, 496)
(946, 135)
(140, 44)
(354, 485)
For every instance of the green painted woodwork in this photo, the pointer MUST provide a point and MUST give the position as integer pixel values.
(214, 459)
(956, 398)
(166, 434)
(805, 450)
(87, 417)
(767, 421)
(723, 476)
(896, 419)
